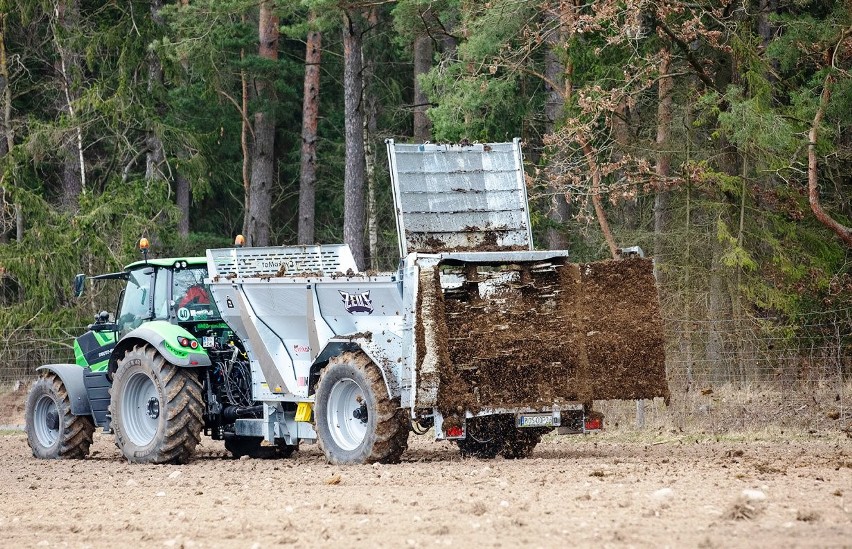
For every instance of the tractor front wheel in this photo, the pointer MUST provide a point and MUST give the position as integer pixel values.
(356, 420)
(53, 432)
(156, 408)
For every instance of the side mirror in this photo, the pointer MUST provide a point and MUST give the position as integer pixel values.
(79, 285)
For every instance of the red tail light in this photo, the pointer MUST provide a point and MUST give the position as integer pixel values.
(455, 432)
(186, 342)
(594, 424)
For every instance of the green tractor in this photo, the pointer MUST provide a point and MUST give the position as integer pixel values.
(166, 369)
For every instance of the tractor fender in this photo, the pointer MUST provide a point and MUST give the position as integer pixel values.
(163, 336)
(72, 377)
(342, 344)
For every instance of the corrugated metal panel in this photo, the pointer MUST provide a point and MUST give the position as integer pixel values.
(279, 261)
(460, 197)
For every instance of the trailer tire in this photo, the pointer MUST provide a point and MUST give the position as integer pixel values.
(156, 408)
(355, 419)
(53, 432)
(521, 442)
(485, 437)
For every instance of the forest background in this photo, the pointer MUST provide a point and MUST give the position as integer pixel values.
(716, 135)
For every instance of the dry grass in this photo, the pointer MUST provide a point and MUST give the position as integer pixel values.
(804, 409)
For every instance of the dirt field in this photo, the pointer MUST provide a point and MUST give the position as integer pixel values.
(594, 491)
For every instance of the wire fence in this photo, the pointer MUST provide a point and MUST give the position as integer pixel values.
(23, 350)
(746, 374)
(723, 375)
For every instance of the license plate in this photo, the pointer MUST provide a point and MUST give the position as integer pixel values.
(207, 341)
(535, 420)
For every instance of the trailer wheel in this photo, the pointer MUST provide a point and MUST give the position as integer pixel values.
(356, 420)
(53, 432)
(486, 437)
(521, 442)
(253, 448)
(156, 408)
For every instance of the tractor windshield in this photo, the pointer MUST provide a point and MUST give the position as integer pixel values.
(191, 296)
(135, 306)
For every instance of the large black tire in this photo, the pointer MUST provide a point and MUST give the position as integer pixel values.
(156, 408)
(485, 437)
(53, 432)
(253, 447)
(521, 442)
(355, 418)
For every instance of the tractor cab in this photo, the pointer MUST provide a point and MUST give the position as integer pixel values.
(171, 290)
(167, 289)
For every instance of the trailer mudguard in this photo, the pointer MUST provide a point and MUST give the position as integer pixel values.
(163, 336)
(72, 377)
(341, 344)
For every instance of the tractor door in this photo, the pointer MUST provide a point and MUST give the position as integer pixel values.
(137, 302)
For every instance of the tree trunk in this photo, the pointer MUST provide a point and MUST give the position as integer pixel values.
(555, 75)
(664, 162)
(6, 138)
(155, 155)
(67, 17)
(371, 110)
(244, 141)
(182, 199)
(310, 120)
(842, 231)
(155, 158)
(353, 182)
(423, 49)
(595, 172)
(263, 154)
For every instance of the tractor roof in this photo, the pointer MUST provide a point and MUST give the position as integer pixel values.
(167, 262)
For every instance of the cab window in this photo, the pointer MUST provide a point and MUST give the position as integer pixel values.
(135, 306)
(161, 295)
(191, 297)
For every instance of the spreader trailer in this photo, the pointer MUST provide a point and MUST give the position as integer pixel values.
(476, 334)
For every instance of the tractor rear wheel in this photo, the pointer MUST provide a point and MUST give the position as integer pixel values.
(156, 408)
(356, 420)
(53, 432)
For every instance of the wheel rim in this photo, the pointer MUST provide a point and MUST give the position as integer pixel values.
(46, 421)
(140, 407)
(347, 414)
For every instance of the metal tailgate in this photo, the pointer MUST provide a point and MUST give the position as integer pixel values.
(451, 198)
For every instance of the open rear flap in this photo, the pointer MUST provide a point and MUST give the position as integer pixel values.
(459, 197)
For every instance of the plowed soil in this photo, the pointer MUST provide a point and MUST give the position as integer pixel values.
(590, 491)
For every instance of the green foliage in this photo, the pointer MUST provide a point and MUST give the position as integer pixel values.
(100, 237)
(738, 145)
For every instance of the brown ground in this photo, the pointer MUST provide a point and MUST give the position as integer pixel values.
(594, 491)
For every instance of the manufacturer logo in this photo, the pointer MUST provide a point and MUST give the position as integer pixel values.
(301, 348)
(357, 303)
